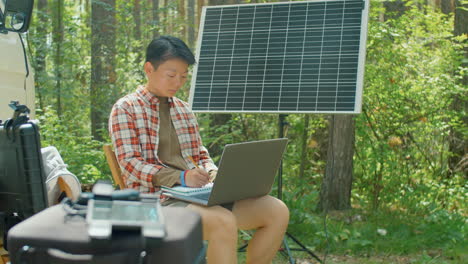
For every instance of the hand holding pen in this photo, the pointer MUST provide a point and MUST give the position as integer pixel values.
(196, 177)
(212, 173)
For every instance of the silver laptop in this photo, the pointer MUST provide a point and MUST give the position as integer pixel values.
(246, 170)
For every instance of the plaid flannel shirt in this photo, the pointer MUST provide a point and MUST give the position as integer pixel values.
(134, 130)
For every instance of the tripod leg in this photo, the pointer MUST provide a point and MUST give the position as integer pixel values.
(285, 243)
(304, 247)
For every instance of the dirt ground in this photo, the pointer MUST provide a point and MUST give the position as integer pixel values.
(377, 260)
(411, 259)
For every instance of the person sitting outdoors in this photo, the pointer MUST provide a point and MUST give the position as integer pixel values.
(156, 140)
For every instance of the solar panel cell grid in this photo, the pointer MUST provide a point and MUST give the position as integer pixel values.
(282, 57)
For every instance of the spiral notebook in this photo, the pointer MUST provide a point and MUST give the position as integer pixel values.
(246, 170)
(188, 190)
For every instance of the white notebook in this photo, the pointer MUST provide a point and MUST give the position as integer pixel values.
(188, 190)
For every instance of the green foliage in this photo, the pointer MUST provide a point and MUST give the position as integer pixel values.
(411, 78)
(80, 152)
(75, 68)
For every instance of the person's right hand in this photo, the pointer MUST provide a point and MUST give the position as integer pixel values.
(196, 178)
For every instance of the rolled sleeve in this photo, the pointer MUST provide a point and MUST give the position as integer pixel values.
(128, 150)
(206, 160)
(167, 177)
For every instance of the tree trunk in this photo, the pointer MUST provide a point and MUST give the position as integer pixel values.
(103, 77)
(458, 146)
(41, 50)
(58, 40)
(137, 19)
(335, 193)
(200, 4)
(447, 6)
(394, 9)
(156, 22)
(191, 23)
(181, 14)
(138, 47)
(166, 20)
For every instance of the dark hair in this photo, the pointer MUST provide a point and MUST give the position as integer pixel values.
(167, 47)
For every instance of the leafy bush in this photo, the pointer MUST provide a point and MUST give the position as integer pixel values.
(410, 81)
(83, 155)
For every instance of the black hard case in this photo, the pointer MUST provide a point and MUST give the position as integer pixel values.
(52, 237)
(24, 185)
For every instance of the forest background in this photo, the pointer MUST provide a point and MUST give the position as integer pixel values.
(406, 200)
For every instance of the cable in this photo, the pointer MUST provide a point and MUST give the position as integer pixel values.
(25, 55)
(74, 209)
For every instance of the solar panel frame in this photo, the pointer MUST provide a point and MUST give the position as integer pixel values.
(356, 86)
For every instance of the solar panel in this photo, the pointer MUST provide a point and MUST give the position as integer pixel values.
(292, 57)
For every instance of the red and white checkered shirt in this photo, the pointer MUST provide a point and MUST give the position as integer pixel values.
(134, 130)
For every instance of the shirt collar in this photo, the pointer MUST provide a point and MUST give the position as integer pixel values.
(149, 97)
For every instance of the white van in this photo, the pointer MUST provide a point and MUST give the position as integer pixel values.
(16, 73)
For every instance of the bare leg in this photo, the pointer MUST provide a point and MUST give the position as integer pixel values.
(270, 217)
(220, 229)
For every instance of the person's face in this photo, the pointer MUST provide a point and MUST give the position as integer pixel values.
(168, 78)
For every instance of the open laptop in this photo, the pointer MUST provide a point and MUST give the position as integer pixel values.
(246, 170)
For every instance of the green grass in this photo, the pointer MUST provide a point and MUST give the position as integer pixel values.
(421, 258)
(438, 237)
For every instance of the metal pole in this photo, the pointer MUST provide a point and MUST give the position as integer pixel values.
(281, 124)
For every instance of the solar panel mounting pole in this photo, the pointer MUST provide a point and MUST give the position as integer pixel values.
(282, 125)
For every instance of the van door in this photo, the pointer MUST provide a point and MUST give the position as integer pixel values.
(16, 78)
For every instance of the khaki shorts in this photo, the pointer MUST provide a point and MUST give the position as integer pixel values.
(174, 203)
(167, 201)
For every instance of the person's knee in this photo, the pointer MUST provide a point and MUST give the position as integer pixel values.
(223, 223)
(283, 210)
(279, 212)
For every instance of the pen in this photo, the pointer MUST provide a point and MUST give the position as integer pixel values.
(196, 165)
(193, 162)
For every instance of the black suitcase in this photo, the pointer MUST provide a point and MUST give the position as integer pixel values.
(22, 179)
